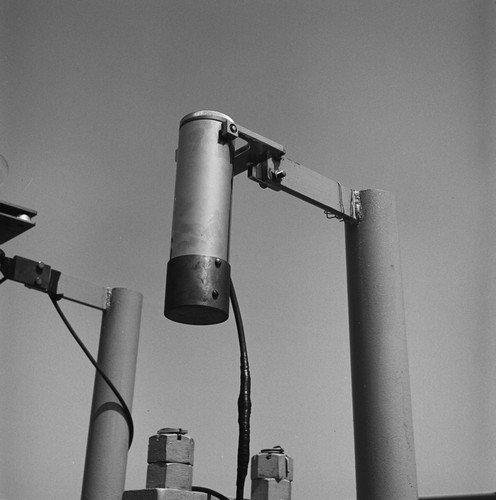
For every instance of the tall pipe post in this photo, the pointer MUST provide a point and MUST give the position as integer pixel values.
(383, 427)
(108, 436)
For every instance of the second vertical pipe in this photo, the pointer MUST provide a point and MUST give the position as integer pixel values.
(382, 413)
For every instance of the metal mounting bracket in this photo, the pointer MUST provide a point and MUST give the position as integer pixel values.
(39, 276)
(255, 150)
(266, 164)
(284, 174)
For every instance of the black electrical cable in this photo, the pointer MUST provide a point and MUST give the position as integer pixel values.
(213, 493)
(244, 401)
(125, 408)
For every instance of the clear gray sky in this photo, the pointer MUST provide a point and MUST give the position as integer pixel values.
(396, 95)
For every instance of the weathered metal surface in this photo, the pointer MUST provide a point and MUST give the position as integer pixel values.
(203, 189)
(108, 436)
(197, 290)
(382, 413)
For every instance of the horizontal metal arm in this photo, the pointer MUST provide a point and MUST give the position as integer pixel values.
(83, 292)
(284, 174)
(266, 164)
(39, 276)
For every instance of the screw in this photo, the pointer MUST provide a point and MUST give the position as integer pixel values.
(40, 266)
(279, 174)
(215, 294)
(37, 280)
(218, 262)
(233, 128)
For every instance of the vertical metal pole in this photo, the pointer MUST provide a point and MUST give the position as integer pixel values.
(108, 437)
(383, 428)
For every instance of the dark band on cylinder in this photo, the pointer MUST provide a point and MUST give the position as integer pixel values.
(197, 290)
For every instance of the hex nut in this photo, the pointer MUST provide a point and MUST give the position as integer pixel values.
(271, 465)
(171, 448)
(261, 489)
(163, 475)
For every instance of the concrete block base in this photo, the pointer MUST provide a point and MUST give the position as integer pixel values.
(275, 465)
(176, 476)
(163, 494)
(270, 489)
(171, 448)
